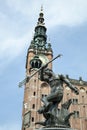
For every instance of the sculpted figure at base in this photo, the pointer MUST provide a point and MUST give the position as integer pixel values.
(53, 115)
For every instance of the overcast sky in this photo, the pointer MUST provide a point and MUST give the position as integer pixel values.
(66, 22)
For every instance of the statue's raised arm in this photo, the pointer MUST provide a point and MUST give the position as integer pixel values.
(71, 86)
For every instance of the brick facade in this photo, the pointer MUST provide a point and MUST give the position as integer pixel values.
(35, 89)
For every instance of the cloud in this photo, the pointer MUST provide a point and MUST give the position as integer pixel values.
(58, 12)
(67, 13)
(12, 48)
(15, 33)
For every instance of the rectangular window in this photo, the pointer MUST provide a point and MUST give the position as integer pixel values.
(33, 106)
(34, 93)
(32, 119)
(35, 80)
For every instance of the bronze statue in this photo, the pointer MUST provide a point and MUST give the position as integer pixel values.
(53, 115)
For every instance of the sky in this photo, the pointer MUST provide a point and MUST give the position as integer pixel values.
(66, 22)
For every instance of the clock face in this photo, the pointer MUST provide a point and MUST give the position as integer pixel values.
(43, 58)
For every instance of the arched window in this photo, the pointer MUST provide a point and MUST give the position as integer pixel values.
(82, 89)
(74, 101)
(76, 114)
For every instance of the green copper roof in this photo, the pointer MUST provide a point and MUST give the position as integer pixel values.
(39, 41)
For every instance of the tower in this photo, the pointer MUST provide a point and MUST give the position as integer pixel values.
(39, 53)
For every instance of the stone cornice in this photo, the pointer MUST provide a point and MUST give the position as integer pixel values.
(78, 82)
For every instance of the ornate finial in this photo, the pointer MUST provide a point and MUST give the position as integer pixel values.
(41, 19)
(41, 8)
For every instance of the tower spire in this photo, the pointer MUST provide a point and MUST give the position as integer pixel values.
(40, 37)
(37, 56)
(39, 42)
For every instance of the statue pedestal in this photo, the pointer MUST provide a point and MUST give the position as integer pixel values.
(55, 128)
